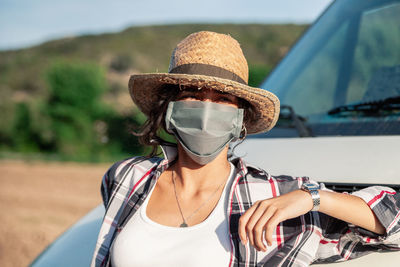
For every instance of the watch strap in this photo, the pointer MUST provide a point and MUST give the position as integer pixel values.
(312, 189)
(316, 199)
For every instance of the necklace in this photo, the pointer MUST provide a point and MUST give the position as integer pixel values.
(184, 224)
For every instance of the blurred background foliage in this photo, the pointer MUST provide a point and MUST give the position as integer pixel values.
(68, 100)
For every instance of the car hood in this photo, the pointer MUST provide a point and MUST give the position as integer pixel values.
(366, 159)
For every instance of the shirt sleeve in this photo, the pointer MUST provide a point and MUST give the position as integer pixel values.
(343, 241)
(107, 183)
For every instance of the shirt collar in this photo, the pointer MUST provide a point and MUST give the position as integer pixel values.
(170, 151)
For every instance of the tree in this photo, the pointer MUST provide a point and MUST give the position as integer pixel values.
(74, 107)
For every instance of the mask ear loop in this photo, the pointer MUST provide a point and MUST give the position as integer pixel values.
(243, 134)
(179, 85)
(241, 138)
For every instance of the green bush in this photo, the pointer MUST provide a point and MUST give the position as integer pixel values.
(73, 123)
(82, 126)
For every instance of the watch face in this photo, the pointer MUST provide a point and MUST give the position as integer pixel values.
(311, 186)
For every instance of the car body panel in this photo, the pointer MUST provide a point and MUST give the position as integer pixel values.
(350, 159)
(75, 247)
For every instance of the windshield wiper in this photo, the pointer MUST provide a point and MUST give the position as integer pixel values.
(298, 121)
(374, 107)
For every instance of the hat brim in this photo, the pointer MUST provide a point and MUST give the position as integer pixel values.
(143, 90)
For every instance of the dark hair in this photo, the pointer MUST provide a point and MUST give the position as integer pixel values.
(149, 133)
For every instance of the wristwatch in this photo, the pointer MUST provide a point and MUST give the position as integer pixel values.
(313, 190)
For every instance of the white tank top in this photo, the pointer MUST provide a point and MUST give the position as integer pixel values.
(143, 242)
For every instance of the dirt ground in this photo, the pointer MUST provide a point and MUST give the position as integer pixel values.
(39, 201)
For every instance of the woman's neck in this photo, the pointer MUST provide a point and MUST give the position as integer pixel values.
(192, 176)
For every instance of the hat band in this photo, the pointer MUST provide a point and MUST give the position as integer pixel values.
(209, 70)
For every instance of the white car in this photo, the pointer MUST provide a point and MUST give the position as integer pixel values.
(339, 88)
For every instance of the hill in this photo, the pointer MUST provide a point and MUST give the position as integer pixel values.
(137, 49)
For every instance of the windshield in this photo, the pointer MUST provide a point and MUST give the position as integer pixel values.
(351, 55)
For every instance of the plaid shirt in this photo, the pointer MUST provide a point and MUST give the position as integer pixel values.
(312, 237)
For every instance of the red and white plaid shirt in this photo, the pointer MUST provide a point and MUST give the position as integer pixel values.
(312, 237)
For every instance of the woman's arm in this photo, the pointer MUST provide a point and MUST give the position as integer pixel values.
(259, 222)
(351, 209)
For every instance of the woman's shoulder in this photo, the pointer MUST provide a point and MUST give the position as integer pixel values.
(258, 172)
(136, 164)
(123, 175)
(255, 174)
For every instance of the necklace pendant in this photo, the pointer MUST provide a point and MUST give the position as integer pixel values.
(183, 225)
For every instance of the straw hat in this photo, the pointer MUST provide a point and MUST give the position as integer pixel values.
(209, 60)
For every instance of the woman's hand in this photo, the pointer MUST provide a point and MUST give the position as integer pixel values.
(261, 219)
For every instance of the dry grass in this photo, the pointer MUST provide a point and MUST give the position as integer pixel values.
(39, 201)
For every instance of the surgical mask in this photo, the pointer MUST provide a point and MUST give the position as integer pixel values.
(203, 128)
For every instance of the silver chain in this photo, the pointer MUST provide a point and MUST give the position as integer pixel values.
(184, 224)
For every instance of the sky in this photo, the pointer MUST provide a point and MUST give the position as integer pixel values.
(24, 23)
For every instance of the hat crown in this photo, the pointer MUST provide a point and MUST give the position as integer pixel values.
(210, 48)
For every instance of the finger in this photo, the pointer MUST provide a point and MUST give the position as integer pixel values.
(271, 226)
(259, 228)
(254, 232)
(255, 217)
(243, 222)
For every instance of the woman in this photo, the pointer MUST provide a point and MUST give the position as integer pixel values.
(197, 208)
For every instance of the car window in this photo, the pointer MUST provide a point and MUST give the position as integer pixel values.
(350, 56)
(318, 78)
(376, 71)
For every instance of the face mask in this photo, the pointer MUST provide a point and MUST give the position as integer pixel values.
(203, 128)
